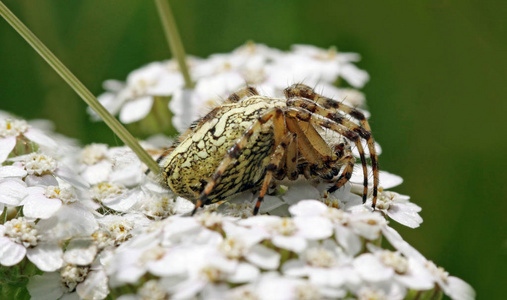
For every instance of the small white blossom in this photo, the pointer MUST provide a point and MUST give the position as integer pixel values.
(71, 281)
(134, 100)
(12, 131)
(399, 208)
(20, 237)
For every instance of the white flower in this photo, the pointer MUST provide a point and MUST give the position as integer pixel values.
(134, 100)
(20, 237)
(244, 242)
(399, 208)
(452, 286)
(41, 169)
(45, 202)
(274, 286)
(346, 237)
(292, 234)
(118, 164)
(324, 265)
(13, 130)
(86, 282)
(115, 196)
(76, 219)
(331, 64)
(119, 228)
(387, 180)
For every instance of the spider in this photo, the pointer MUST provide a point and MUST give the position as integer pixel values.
(250, 140)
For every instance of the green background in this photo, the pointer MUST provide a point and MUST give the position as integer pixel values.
(437, 92)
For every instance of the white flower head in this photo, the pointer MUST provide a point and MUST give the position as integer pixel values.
(20, 237)
(40, 169)
(72, 281)
(94, 153)
(134, 100)
(45, 202)
(39, 164)
(399, 208)
(14, 130)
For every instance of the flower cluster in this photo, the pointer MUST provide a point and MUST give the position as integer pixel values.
(95, 225)
(269, 70)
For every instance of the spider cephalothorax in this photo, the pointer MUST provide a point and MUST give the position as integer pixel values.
(250, 139)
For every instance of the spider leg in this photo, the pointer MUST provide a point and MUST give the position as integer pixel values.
(310, 143)
(273, 165)
(291, 159)
(319, 120)
(235, 151)
(346, 174)
(301, 90)
(242, 93)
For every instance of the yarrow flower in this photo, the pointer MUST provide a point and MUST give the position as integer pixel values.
(13, 131)
(96, 225)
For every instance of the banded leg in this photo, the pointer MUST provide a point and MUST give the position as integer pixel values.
(346, 174)
(234, 152)
(291, 159)
(274, 164)
(242, 93)
(309, 142)
(301, 90)
(319, 120)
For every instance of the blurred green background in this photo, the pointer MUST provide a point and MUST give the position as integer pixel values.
(437, 92)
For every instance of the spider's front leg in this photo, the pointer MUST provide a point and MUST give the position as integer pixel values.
(319, 120)
(364, 131)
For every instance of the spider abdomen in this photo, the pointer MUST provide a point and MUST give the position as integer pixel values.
(193, 161)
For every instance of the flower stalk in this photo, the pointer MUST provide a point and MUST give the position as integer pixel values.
(78, 87)
(173, 39)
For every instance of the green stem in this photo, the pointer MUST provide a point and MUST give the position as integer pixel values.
(173, 39)
(4, 215)
(79, 88)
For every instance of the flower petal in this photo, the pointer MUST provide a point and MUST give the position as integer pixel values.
(12, 171)
(136, 110)
(11, 253)
(46, 286)
(263, 257)
(80, 252)
(40, 138)
(308, 208)
(38, 206)
(94, 286)
(46, 256)
(12, 191)
(402, 214)
(458, 289)
(70, 221)
(350, 242)
(245, 272)
(6, 146)
(371, 269)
